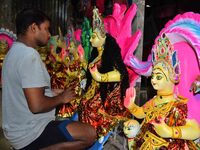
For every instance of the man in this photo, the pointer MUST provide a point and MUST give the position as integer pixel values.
(27, 101)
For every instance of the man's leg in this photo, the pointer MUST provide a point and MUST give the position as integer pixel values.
(83, 136)
(79, 136)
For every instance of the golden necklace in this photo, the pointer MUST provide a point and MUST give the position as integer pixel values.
(161, 95)
(163, 98)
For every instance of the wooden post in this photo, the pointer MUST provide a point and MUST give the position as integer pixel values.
(138, 24)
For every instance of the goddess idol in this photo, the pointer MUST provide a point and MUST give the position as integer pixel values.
(165, 117)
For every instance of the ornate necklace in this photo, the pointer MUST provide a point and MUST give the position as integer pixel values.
(167, 98)
(164, 95)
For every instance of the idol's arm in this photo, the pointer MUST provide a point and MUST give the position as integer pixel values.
(137, 111)
(112, 76)
(190, 131)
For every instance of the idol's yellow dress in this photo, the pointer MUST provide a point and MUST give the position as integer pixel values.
(174, 114)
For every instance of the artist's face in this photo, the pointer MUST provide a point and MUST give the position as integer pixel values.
(160, 79)
(97, 40)
(43, 34)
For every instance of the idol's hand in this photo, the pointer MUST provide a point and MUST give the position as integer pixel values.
(129, 100)
(129, 103)
(94, 72)
(94, 62)
(195, 87)
(161, 128)
(80, 51)
(111, 76)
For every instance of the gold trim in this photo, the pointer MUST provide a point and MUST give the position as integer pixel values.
(152, 142)
(154, 111)
(104, 77)
(133, 110)
(176, 132)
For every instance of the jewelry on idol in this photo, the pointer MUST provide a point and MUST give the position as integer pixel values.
(164, 95)
(176, 132)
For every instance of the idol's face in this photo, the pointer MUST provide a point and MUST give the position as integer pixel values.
(160, 79)
(131, 128)
(96, 39)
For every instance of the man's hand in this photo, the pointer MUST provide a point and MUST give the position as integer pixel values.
(57, 91)
(68, 95)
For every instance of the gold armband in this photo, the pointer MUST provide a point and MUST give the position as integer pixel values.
(133, 110)
(176, 132)
(104, 77)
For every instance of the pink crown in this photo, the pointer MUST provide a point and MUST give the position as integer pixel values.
(163, 52)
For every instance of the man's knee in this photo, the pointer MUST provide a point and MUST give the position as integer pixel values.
(92, 135)
(82, 132)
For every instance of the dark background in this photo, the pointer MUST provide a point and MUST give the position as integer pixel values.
(157, 14)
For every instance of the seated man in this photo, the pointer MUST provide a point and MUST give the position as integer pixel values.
(27, 100)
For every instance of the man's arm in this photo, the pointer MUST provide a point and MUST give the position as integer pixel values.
(38, 102)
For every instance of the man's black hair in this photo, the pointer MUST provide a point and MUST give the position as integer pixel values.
(26, 17)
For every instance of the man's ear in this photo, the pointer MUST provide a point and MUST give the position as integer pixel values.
(33, 27)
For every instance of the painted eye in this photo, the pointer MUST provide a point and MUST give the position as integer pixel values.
(131, 128)
(93, 36)
(159, 77)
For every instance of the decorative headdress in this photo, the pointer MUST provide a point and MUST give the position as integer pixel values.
(97, 23)
(165, 57)
(7, 37)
